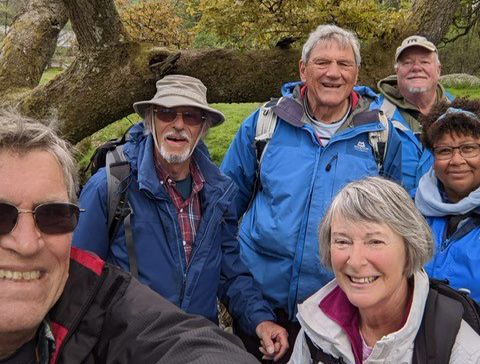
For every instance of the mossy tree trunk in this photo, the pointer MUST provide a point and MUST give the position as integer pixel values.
(111, 71)
(30, 44)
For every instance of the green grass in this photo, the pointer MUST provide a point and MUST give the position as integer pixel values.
(473, 93)
(49, 74)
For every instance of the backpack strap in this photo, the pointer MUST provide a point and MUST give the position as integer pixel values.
(378, 139)
(119, 210)
(319, 356)
(440, 324)
(266, 123)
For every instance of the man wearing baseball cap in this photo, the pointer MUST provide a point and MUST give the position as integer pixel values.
(411, 92)
(184, 229)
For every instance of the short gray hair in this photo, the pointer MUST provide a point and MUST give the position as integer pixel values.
(377, 200)
(22, 135)
(329, 32)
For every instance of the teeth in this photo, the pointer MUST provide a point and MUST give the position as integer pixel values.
(363, 279)
(18, 276)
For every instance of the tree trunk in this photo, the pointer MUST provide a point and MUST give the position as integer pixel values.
(434, 17)
(30, 44)
(112, 72)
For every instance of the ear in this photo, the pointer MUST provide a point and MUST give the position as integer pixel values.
(302, 67)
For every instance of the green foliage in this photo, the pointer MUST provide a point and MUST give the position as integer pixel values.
(262, 23)
(154, 21)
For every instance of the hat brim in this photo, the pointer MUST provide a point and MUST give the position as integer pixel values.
(215, 117)
(401, 50)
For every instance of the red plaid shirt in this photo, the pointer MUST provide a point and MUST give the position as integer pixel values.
(189, 212)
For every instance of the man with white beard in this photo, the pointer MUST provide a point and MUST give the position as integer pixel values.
(412, 91)
(183, 224)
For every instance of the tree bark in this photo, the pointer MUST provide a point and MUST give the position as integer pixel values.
(30, 44)
(112, 72)
(434, 17)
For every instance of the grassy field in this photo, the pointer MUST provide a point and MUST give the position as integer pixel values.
(218, 139)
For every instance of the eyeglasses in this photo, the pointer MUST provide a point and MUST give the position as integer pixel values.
(470, 150)
(50, 218)
(190, 118)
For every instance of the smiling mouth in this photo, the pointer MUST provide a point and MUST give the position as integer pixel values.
(362, 280)
(19, 276)
(176, 139)
(329, 85)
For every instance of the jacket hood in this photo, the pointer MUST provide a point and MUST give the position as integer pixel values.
(288, 89)
(429, 201)
(389, 88)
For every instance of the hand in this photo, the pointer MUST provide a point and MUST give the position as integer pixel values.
(273, 338)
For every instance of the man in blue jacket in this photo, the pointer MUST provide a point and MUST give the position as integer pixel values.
(412, 92)
(321, 142)
(183, 224)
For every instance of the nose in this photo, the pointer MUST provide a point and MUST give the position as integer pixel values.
(178, 123)
(333, 70)
(357, 257)
(25, 239)
(456, 157)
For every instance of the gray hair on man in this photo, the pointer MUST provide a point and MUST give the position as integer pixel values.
(329, 32)
(21, 135)
(378, 200)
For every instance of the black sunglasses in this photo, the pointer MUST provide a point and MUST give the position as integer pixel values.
(50, 218)
(168, 115)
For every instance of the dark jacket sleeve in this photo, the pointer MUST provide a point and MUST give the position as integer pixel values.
(238, 289)
(142, 327)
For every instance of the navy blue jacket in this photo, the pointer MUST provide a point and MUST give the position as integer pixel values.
(215, 268)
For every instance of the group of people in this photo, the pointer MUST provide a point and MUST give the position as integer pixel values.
(246, 234)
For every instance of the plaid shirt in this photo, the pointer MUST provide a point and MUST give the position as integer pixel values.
(189, 212)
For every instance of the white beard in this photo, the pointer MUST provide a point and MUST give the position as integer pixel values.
(174, 158)
(417, 90)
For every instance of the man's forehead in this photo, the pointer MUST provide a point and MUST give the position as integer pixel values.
(323, 49)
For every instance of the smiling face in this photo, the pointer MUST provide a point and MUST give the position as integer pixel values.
(330, 74)
(459, 175)
(369, 260)
(418, 71)
(176, 138)
(34, 265)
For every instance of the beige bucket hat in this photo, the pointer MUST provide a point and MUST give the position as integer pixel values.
(181, 90)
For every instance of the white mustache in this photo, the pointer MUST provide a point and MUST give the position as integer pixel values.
(180, 134)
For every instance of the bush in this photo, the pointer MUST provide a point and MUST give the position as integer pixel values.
(460, 80)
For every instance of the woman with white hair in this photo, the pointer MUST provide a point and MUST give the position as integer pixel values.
(376, 242)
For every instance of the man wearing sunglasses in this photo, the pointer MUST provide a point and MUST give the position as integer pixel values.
(63, 305)
(183, 226)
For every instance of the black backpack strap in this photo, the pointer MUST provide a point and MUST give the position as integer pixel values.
(440, 324)
(319, 356)
(119, 210)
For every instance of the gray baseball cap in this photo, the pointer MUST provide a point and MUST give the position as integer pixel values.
(415, 41)
(181, 90)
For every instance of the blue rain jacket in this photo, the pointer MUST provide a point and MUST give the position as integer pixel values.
(215, 268)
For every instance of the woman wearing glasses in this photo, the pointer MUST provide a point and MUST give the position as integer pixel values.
(449, 194)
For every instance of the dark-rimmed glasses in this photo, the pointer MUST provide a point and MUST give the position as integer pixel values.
(467, 150)
(50, 218)
(190, 118)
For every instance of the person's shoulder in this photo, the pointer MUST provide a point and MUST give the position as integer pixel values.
(466, 348)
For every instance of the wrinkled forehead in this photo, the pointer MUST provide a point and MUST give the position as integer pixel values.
(326, 47)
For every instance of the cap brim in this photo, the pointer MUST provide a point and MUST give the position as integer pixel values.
(400, 51)
(215, 117)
